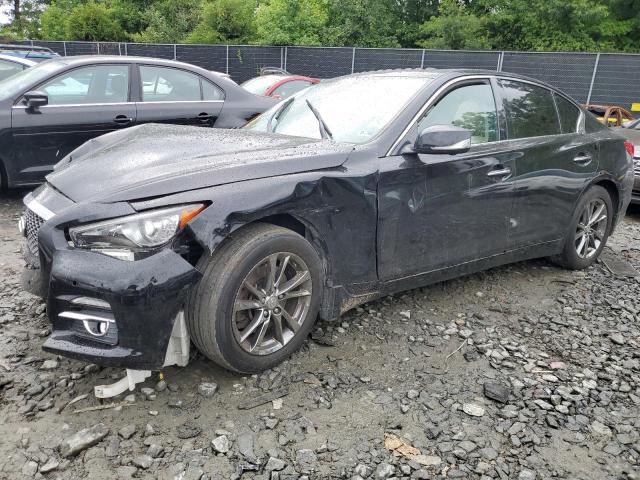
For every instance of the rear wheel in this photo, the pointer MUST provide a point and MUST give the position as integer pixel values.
(257, 300)
(589, 230)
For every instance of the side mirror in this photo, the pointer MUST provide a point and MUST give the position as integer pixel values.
(36, 99)
(443, 139)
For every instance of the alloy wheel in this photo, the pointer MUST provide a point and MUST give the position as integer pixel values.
(592, 227)
(272, 303)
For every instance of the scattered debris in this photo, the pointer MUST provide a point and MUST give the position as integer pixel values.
(262, 399)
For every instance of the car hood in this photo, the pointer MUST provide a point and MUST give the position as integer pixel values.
(153, 160)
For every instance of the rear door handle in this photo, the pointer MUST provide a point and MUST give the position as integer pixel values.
(499, 172)
(583, 159)
(123, 120)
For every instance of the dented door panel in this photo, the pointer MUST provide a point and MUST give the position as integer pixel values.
(437, 211)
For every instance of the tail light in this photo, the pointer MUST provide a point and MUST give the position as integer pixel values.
(630, 148)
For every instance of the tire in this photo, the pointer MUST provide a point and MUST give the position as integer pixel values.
(220, 309)
(570, 256)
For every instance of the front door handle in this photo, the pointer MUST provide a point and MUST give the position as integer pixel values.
(583, 159)
(123, 120)
(499, 172)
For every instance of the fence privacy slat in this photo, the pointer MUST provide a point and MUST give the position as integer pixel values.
(600, 78)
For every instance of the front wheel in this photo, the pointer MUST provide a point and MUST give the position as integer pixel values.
(589, 230)
(257, 300)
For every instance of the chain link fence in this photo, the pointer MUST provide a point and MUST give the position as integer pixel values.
(588, 77)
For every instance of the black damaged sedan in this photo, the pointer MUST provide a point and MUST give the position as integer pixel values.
(145, 239)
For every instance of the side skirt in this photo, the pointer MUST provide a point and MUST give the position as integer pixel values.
(339, 300)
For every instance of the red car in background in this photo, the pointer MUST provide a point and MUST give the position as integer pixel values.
(277, 83)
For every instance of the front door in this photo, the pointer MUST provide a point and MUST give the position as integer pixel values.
(172, 95)
(83, 103)
(437, 211)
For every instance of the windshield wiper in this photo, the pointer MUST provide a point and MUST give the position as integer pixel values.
(277, 114)
(324, 129)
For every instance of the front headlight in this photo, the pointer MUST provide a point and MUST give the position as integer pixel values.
(124, 237)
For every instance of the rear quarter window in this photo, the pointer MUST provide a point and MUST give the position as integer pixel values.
(591, 124)
(569, 114)
(530, 109)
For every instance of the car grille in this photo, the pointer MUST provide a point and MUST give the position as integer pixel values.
(636, 166)
(33, 222)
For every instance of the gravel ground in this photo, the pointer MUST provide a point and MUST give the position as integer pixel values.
(523, 372)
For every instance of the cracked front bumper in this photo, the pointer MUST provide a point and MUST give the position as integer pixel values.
(105, 310)
(144, 298)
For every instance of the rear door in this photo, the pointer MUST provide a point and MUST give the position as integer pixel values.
(83, 103)
(555, 160)
(173, 95)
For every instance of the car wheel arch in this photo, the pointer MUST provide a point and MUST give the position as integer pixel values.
(290, 222)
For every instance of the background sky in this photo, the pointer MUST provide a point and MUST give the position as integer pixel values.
(4, 15)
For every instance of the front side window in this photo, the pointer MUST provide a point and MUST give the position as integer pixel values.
(469, 106)
(95, 84)
(530, 110)
(289, 88)
(165, 84)
(569, 114)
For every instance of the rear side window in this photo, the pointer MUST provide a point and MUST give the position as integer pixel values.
(530, 110)
(569, 114)
(165, 84)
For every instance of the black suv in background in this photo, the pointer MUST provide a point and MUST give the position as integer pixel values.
(50, 109)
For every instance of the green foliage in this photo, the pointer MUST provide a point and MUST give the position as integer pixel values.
(569, 25)
(361, 23)
(454, 28)
(93, 21)
(291, 22)
(169, 21)
(225, 21)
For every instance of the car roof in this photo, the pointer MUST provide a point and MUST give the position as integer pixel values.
(451, 73)
(21, 60)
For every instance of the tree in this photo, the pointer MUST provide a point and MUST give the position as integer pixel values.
(291, 22)
(93, 22)
(54, 19)
(362, 23)
(572, 25)
(455, 28)
(25, 17)
(229, 21)
(169, 21)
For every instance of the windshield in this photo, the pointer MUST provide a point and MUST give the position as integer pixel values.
(354, 109)
(259, 85)
(16, 84)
